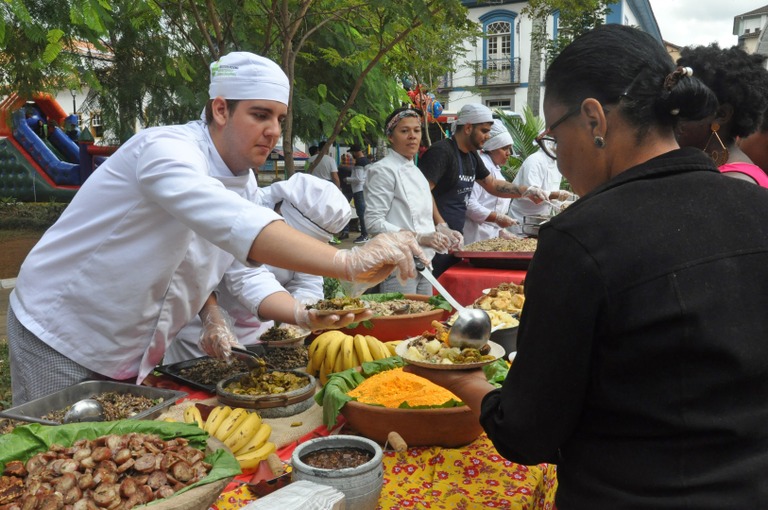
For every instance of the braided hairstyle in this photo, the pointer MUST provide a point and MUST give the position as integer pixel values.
(621, 64)
(736, 77)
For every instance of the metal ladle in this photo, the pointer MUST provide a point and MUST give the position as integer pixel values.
(85, 410)
(472, 327)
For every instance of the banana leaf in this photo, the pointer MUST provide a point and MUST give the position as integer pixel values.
(27, 440)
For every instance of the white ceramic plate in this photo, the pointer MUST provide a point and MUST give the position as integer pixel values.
(497, 351)
(512, 355)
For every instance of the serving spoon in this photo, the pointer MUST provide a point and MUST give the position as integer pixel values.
(472, 326)
(87, 409)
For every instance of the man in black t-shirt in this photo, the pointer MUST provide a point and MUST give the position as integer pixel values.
(452, 166)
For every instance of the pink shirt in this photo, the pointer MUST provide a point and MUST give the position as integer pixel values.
(752, 170)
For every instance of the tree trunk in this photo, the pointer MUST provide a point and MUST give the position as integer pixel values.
(538, 33)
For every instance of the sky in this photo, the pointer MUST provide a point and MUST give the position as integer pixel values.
(700, 22)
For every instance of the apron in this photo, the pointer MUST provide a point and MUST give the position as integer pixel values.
(453, 204)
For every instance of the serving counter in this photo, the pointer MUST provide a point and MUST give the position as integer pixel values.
(466, 282)
(473, 476)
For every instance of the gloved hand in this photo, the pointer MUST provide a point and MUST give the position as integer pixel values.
(504, 221)
(217, 336)
(309, 318)
(562, 196)
(455, 237)
(535, 194)
(436, 240)
(373, 261)
(506, 234)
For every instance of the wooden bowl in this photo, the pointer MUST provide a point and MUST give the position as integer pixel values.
(279, 405)
(449, 427)
(400, 327)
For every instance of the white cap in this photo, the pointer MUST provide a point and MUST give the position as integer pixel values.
(312, 205)
(500, 137)
(474, 114)
(243, 75)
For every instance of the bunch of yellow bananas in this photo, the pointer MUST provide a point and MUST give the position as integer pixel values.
(334, 351)
(242, 431)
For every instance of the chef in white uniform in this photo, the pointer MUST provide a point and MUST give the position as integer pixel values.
(111, 282)
(487, 214)
(308, 204)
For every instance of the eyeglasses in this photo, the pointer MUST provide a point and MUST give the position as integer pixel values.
(546, 142)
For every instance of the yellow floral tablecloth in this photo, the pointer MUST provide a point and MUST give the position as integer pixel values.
(471, 477)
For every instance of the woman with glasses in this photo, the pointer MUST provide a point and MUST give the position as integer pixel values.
(642, 363)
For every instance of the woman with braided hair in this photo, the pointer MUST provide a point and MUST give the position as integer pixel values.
(642, 362)
(740, 82)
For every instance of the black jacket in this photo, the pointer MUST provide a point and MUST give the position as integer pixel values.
(642, 366)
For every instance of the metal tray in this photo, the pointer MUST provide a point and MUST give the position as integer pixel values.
(174, 369)
(33, 410)
(497, 259)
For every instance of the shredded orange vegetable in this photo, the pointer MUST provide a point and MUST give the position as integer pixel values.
(393, 387)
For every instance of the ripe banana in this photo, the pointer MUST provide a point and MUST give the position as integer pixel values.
(192, 415)
(364, 353)
(392, 347)
(375, 346)
(249, 462)
(247, 429)
(230, 423)
(216, 418)
(335, 344)
(256, 441)
(348, 350)
(319, 346)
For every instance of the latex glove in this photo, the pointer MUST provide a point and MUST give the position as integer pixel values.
(535, 194)
(562, 196)
(504, 221)
(436, 240)
(217, 336)
(506, 234)
(454, 236)
(373, 261)
(309, 318)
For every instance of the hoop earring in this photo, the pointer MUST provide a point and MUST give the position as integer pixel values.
(599, 142)
(719, 154)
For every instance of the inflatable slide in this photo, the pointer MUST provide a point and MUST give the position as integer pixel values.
(38, 160)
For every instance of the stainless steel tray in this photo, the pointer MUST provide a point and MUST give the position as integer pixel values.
(34, 410)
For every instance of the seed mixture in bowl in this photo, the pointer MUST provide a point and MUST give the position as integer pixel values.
(497, 244)
(398, 307)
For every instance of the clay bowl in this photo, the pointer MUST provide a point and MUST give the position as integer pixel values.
(400, 327)
(448, 427)
(270, 406)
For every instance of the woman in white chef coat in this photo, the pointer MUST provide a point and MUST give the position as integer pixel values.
(398, 197)
(308, 204)
(486, 213)
(110, 284)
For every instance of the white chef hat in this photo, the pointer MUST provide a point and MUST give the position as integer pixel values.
(312, 205)
(474, 113)
(500, 137)
(243, 75)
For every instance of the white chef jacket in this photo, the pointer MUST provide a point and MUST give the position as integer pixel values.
(540, 170)
(481, 204)
(115, 278)
(397, 197)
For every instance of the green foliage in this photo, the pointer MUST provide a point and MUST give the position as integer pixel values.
(332, 288)
(524, 131)
(16, 215)
(5, 375)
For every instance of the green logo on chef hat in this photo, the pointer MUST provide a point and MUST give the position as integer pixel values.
(215, 68)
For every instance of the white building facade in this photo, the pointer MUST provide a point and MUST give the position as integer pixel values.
(495, 71)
